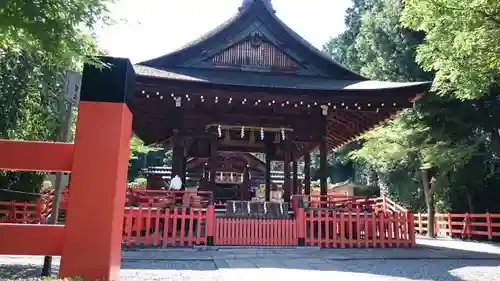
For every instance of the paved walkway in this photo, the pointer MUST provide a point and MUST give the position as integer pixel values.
(444, 260)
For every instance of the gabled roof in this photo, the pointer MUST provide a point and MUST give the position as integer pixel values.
(256, 16)
(304, 67)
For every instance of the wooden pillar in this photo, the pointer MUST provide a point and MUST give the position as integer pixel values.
(101, 151)
(295, 177)
(268, 177)
(183, 170)
(323, 166)
(245, 191)
(212, 164)
(177, 154)
(286, 164)
(307, 174)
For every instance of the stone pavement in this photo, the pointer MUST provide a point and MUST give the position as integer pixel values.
(444, 260)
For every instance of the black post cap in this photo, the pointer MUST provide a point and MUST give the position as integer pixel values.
(113, 82)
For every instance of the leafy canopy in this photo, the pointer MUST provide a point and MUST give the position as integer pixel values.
(462, 43)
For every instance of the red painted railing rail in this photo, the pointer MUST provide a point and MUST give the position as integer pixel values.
(181, 226)
(21, 212)
(461, 225)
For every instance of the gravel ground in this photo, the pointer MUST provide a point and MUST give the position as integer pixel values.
(435, 260)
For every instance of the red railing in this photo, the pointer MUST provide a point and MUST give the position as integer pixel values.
(21, 212)
(153, 227)
(461, 225)
(24, 239)
(342, 203)
(176, 227)
(385, 204)
(262, 232)
(345, 223)
(156, 198)
(358, 229)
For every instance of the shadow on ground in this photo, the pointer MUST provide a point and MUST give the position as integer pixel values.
(21, 271)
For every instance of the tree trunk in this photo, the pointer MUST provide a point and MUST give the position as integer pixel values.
(429, 201)
(470, 205)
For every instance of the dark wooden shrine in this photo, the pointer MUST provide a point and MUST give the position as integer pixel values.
(253, 85)
(238, 174)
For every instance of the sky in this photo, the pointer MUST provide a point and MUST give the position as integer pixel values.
(147, 29)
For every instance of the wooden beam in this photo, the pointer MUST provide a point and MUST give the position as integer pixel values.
(25, 239)
(36, 156)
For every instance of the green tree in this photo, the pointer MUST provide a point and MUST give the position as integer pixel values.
(39, 42)
(443, 133)
(462, 43)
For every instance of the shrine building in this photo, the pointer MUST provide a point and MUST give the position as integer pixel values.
(254, 85)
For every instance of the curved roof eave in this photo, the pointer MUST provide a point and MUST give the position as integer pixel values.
(272, 81)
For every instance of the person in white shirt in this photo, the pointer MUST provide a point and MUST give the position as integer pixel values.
(176, 183)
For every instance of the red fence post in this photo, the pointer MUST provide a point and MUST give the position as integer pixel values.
(490, 228)
(99, 173)
(411, 229)
(210, 227)
(300, 222)
(38, 211)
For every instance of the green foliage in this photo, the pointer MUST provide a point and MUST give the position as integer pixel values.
(459, 139)
(462, 43)
(39, 42)
(18, 183)
(58, 29)
(137, 147)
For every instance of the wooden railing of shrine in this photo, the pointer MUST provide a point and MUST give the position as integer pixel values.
(13, 212)
(155, 227)
(19, 222)
(179, 227)
(486, 226)
(330, 222)
(159, 198)
(22, 212)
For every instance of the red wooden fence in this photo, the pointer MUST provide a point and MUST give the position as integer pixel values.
(262, 232)
(154, 227)
(21, 212)
(348, 223)
(461, 225)
(166, 227)
(359, 229)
